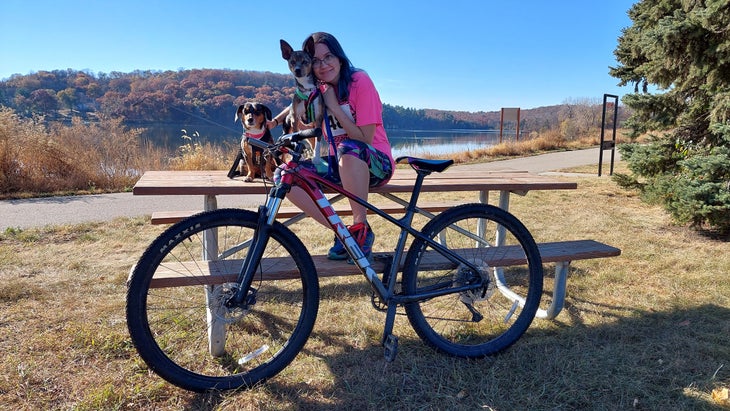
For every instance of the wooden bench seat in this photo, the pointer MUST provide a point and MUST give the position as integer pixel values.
(173, 275)
(171, 217)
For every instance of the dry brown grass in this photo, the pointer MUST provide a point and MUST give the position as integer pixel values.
(647, 330)
(83, 158)
(551, 140)
(194, 155)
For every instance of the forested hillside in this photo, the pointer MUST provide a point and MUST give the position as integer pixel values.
(144, 98)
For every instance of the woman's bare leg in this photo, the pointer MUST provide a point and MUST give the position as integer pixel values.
(356, 179)
(305, 203)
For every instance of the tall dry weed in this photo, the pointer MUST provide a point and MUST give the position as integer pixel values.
(21, 140)
(103, 156)
(549, 140)
(196, 155)
(26, 154)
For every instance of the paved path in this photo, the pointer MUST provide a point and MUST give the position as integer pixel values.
(38, 212)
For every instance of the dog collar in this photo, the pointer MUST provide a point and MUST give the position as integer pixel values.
(308, 98)
(256, 136)
(301, 94)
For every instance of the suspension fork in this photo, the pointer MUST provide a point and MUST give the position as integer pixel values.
(262, 233)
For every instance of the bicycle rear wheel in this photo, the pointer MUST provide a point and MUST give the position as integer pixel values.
(179, 323)
(490, 318)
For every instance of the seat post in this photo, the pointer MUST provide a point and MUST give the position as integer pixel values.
(420, 176)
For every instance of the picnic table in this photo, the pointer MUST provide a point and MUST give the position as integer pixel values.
(210, 184)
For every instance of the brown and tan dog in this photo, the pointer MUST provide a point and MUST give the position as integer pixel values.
(253, 117)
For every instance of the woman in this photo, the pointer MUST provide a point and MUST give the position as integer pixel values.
(362, 156)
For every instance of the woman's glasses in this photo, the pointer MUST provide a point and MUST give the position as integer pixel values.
(328, 59)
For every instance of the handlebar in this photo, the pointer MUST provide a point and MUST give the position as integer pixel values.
(287, 139)
(304, 134)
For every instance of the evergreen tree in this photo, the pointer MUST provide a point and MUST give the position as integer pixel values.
(682, 47)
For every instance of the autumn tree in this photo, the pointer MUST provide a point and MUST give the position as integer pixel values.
(43, 100)
(680, 49)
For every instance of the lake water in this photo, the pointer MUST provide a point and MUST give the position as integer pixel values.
(440, 142)
(404, 142)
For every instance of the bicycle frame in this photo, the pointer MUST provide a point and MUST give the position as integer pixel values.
(310, 182)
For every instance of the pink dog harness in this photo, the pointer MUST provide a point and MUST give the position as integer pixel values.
(255, 136)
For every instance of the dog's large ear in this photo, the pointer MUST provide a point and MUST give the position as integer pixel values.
(239, 113)
(267, 112)
(309, 46)
(286, 49)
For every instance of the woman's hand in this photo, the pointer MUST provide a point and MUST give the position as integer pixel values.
(329, 97)
(301, 125)
(364, 133)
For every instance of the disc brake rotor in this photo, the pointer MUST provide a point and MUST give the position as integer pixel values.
(466, 276)
(217, 303)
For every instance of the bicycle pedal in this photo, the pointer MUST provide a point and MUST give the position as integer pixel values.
(391, 347)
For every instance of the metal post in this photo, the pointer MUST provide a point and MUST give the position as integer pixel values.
(501, 124)
(613, 139)
(608, 145)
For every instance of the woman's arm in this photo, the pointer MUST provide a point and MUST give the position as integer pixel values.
(279, 118)
(363, 133)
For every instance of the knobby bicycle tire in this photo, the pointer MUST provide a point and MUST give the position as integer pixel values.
(500, 311)
(186, 335)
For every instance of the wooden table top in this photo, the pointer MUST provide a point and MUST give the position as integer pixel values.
(217, 183)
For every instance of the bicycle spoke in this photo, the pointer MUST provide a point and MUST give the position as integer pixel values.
(188, 335)
(487, 318)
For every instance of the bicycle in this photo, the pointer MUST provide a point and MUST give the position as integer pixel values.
(466, 292)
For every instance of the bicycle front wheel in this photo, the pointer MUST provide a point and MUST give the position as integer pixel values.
(506, 284)
(176, 311)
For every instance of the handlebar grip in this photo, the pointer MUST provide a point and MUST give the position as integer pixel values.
(308, 133)
(258, 143)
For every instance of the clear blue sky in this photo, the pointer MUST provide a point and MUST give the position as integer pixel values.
(476, 55)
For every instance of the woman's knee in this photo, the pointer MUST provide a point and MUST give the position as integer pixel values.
(349, 160)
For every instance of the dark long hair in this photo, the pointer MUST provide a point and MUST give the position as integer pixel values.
(346, 67)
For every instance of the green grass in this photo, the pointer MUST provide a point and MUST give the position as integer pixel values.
(647, 330)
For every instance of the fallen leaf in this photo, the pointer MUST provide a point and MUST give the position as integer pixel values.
(721, 396)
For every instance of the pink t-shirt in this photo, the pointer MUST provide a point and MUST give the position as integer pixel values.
(366, 108)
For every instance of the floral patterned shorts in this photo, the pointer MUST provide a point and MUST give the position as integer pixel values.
(377, 161)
